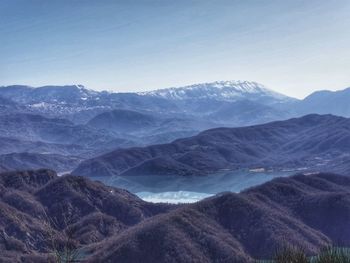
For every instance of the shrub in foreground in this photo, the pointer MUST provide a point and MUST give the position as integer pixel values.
(298, 255)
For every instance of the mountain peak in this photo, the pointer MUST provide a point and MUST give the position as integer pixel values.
(244, 86)
(220, 90)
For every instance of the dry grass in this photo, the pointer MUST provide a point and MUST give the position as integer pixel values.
(298, 255)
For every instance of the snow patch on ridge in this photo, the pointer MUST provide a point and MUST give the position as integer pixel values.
(225, 90)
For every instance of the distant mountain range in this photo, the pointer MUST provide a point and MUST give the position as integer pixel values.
(195, 130)
(58, 136)
(75, 121)
(320, 142)
(80, 104)
(325, 102)
(40, 211)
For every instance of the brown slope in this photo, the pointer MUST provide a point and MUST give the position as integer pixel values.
(116, 226)
(36, 205)
(307, 211)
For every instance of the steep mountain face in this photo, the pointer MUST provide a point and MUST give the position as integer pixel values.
(308, 211)
(322, 102)
(312, 142)
(37, 209)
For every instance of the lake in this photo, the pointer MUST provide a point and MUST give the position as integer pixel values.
(189, 189)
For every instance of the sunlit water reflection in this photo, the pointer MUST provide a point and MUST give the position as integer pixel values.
(189, 189)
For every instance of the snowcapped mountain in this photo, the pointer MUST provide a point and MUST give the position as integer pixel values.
(237, 100)
(77, 103)
(220, 90)
(54, 101)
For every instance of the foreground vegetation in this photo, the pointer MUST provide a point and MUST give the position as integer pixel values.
(295, 255)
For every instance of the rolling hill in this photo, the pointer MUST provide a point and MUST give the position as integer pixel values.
(311, 142)
(38, 209)
(305, 211)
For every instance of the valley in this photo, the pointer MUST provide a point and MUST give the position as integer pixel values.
(310, 143)
(189, 189)
(186, 131)
(41, 212)
(167, 138)
(213, 172)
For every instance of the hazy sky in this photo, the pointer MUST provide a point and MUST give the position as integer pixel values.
(291, 46)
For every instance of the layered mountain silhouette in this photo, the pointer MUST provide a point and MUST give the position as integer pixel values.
(312, 142)
(147, 127)
(80, 105)
(112, 225)
(76, 122)
(52, 130)
(14, 145)
(56, 135)
(73, 121)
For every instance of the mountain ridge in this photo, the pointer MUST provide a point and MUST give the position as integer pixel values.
(57, 119)
(111, 224)
(224, 90)
(311, 141)
(240, 227)
(38, 208)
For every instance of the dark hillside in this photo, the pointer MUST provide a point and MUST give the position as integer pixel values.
(37, 207)
(304, 211)
(313, 142)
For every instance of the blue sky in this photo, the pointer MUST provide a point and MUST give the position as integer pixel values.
(291, 46)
